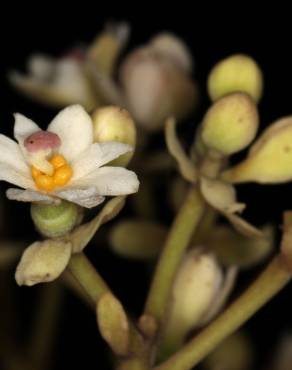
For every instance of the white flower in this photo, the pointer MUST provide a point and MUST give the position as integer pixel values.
(57, 82)
(63, 162)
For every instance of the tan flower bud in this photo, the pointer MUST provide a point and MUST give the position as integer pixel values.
(230, 124)
(156, 88)
(237, 73)
(113, 123)
(174, 48)
(43, 262)
(269, 159)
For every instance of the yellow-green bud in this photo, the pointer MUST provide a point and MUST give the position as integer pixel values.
(54, 221)
(269, 160)
(237, 73)
(113, 123)
(197, 284)
(230, 124)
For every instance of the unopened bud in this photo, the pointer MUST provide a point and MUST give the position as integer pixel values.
(196, 286)
(230, 124)
(54, 221)
(156, 88)
(138, 239)
(43, 262)
(269, 160)
(174, 48)
(237, 73)
(113, 123)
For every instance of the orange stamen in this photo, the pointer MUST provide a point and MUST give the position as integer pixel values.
(60, 177)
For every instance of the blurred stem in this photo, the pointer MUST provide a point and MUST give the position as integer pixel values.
(178, 240)
(87, 276)
(45, 325)
(269, 283)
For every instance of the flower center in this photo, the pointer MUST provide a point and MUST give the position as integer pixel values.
(60, 176)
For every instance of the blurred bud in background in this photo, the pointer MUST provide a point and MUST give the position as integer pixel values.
(234, 353)
(138, 239)
(157, 83)
(67, 80)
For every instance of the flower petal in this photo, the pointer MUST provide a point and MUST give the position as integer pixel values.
(23, 127)
(42, 262)
(74, 127)
(110, 181)
(96, 156)
(30, 196)
(11, 156)
(41, 67)
(48, 93)
(12, 175)
(88, 197)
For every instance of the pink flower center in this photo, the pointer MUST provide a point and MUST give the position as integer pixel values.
(42, 140)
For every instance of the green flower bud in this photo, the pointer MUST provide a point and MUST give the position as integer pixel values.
(113, 123)
(230, 124)
(54, 221)
(196, 286)
(238, 73)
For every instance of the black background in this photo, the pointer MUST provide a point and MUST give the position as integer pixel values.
(211, 35)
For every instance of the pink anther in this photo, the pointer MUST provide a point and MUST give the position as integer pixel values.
(42, 140)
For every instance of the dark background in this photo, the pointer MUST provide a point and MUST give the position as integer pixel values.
(211, 35)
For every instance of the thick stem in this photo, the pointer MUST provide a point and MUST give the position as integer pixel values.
(87, 276)
(178, 240)
(270, 282)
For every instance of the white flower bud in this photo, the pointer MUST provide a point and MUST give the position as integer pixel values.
(195, 289)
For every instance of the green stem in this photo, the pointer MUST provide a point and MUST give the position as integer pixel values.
(270, 282)
(87, 276)
(178, 240)
(45, 326)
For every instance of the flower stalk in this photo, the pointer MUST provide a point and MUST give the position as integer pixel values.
(178, 240)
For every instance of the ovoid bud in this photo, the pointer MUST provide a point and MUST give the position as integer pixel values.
(113, 123)
(237, 73)
(230, 124)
